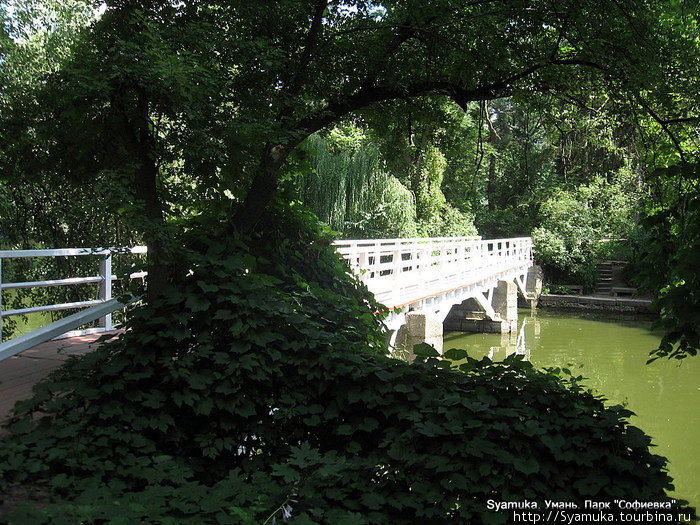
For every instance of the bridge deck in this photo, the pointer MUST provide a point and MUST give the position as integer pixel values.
(19, 373)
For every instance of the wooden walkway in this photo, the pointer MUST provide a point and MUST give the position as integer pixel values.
(19, 373)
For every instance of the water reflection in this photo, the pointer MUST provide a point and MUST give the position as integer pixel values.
(513, 343)
(611, 352)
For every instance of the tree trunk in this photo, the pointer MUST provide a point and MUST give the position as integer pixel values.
(419, 178)
(154, 231)
(131, 108)
(491, 182)
(262, 190)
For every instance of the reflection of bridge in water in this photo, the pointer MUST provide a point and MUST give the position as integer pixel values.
(520, 345)
(518, 342)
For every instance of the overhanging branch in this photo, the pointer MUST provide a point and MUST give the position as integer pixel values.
(367, 95)
(663, 124)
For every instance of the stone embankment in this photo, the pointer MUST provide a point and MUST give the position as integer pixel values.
(595, 303)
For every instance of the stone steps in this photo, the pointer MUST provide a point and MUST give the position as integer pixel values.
(610, 275)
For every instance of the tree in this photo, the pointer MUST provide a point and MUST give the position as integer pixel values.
(349, 190)
(670, 260)
(222, 93)
(404, 50)
(268, 346)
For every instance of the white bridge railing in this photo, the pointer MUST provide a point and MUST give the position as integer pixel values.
(103, 280)
(403, 271)
(398, 271)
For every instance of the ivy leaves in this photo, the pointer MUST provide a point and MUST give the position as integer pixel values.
(277, 400)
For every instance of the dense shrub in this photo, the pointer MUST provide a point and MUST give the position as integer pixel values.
(258, 387)
(590, 223)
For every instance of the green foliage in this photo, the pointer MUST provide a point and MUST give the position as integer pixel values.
(576, 227)
(38, 39)
(350, 191)
(669, 264)
(567, 241)
(437, 218)
(259, 386)
(418, 140)
(52, 214)
(394, 217)
(200, 94)
(449, 222)
(430, 199)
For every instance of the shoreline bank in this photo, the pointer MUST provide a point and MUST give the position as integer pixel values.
(596, 303)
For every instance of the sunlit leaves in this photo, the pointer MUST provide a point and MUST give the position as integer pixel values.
(671, 261)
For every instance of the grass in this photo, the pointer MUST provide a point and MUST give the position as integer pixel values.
(22, 323)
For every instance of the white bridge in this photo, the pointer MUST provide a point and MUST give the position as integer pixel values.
(427, 276)
(431, 275)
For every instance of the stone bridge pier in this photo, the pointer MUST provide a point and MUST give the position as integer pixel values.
(420, 327)
(495, 312)
(492, 311)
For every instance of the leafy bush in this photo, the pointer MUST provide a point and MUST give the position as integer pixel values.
(566, 243)
(590, 223)
(506, 221)
(448, 222)
(258, 388)
(669, 261)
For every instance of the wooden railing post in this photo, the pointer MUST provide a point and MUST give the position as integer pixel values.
(396, 272)
(361, 262)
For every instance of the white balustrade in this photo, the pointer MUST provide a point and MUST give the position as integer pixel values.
(103, 280)
(403, 271)
(399, 272)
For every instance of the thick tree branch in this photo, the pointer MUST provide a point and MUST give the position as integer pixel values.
(663, 125)
(681, 120)
(367, 95)
(307, 52)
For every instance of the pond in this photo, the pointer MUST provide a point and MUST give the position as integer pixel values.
(611, 352)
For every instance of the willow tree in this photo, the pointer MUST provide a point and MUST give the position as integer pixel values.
(358, 191)
(343, 184)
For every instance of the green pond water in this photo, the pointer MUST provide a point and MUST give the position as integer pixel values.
(611, 353)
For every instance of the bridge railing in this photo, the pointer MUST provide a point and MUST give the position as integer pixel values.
(397, 271)
(103, 280)
(401, 271)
